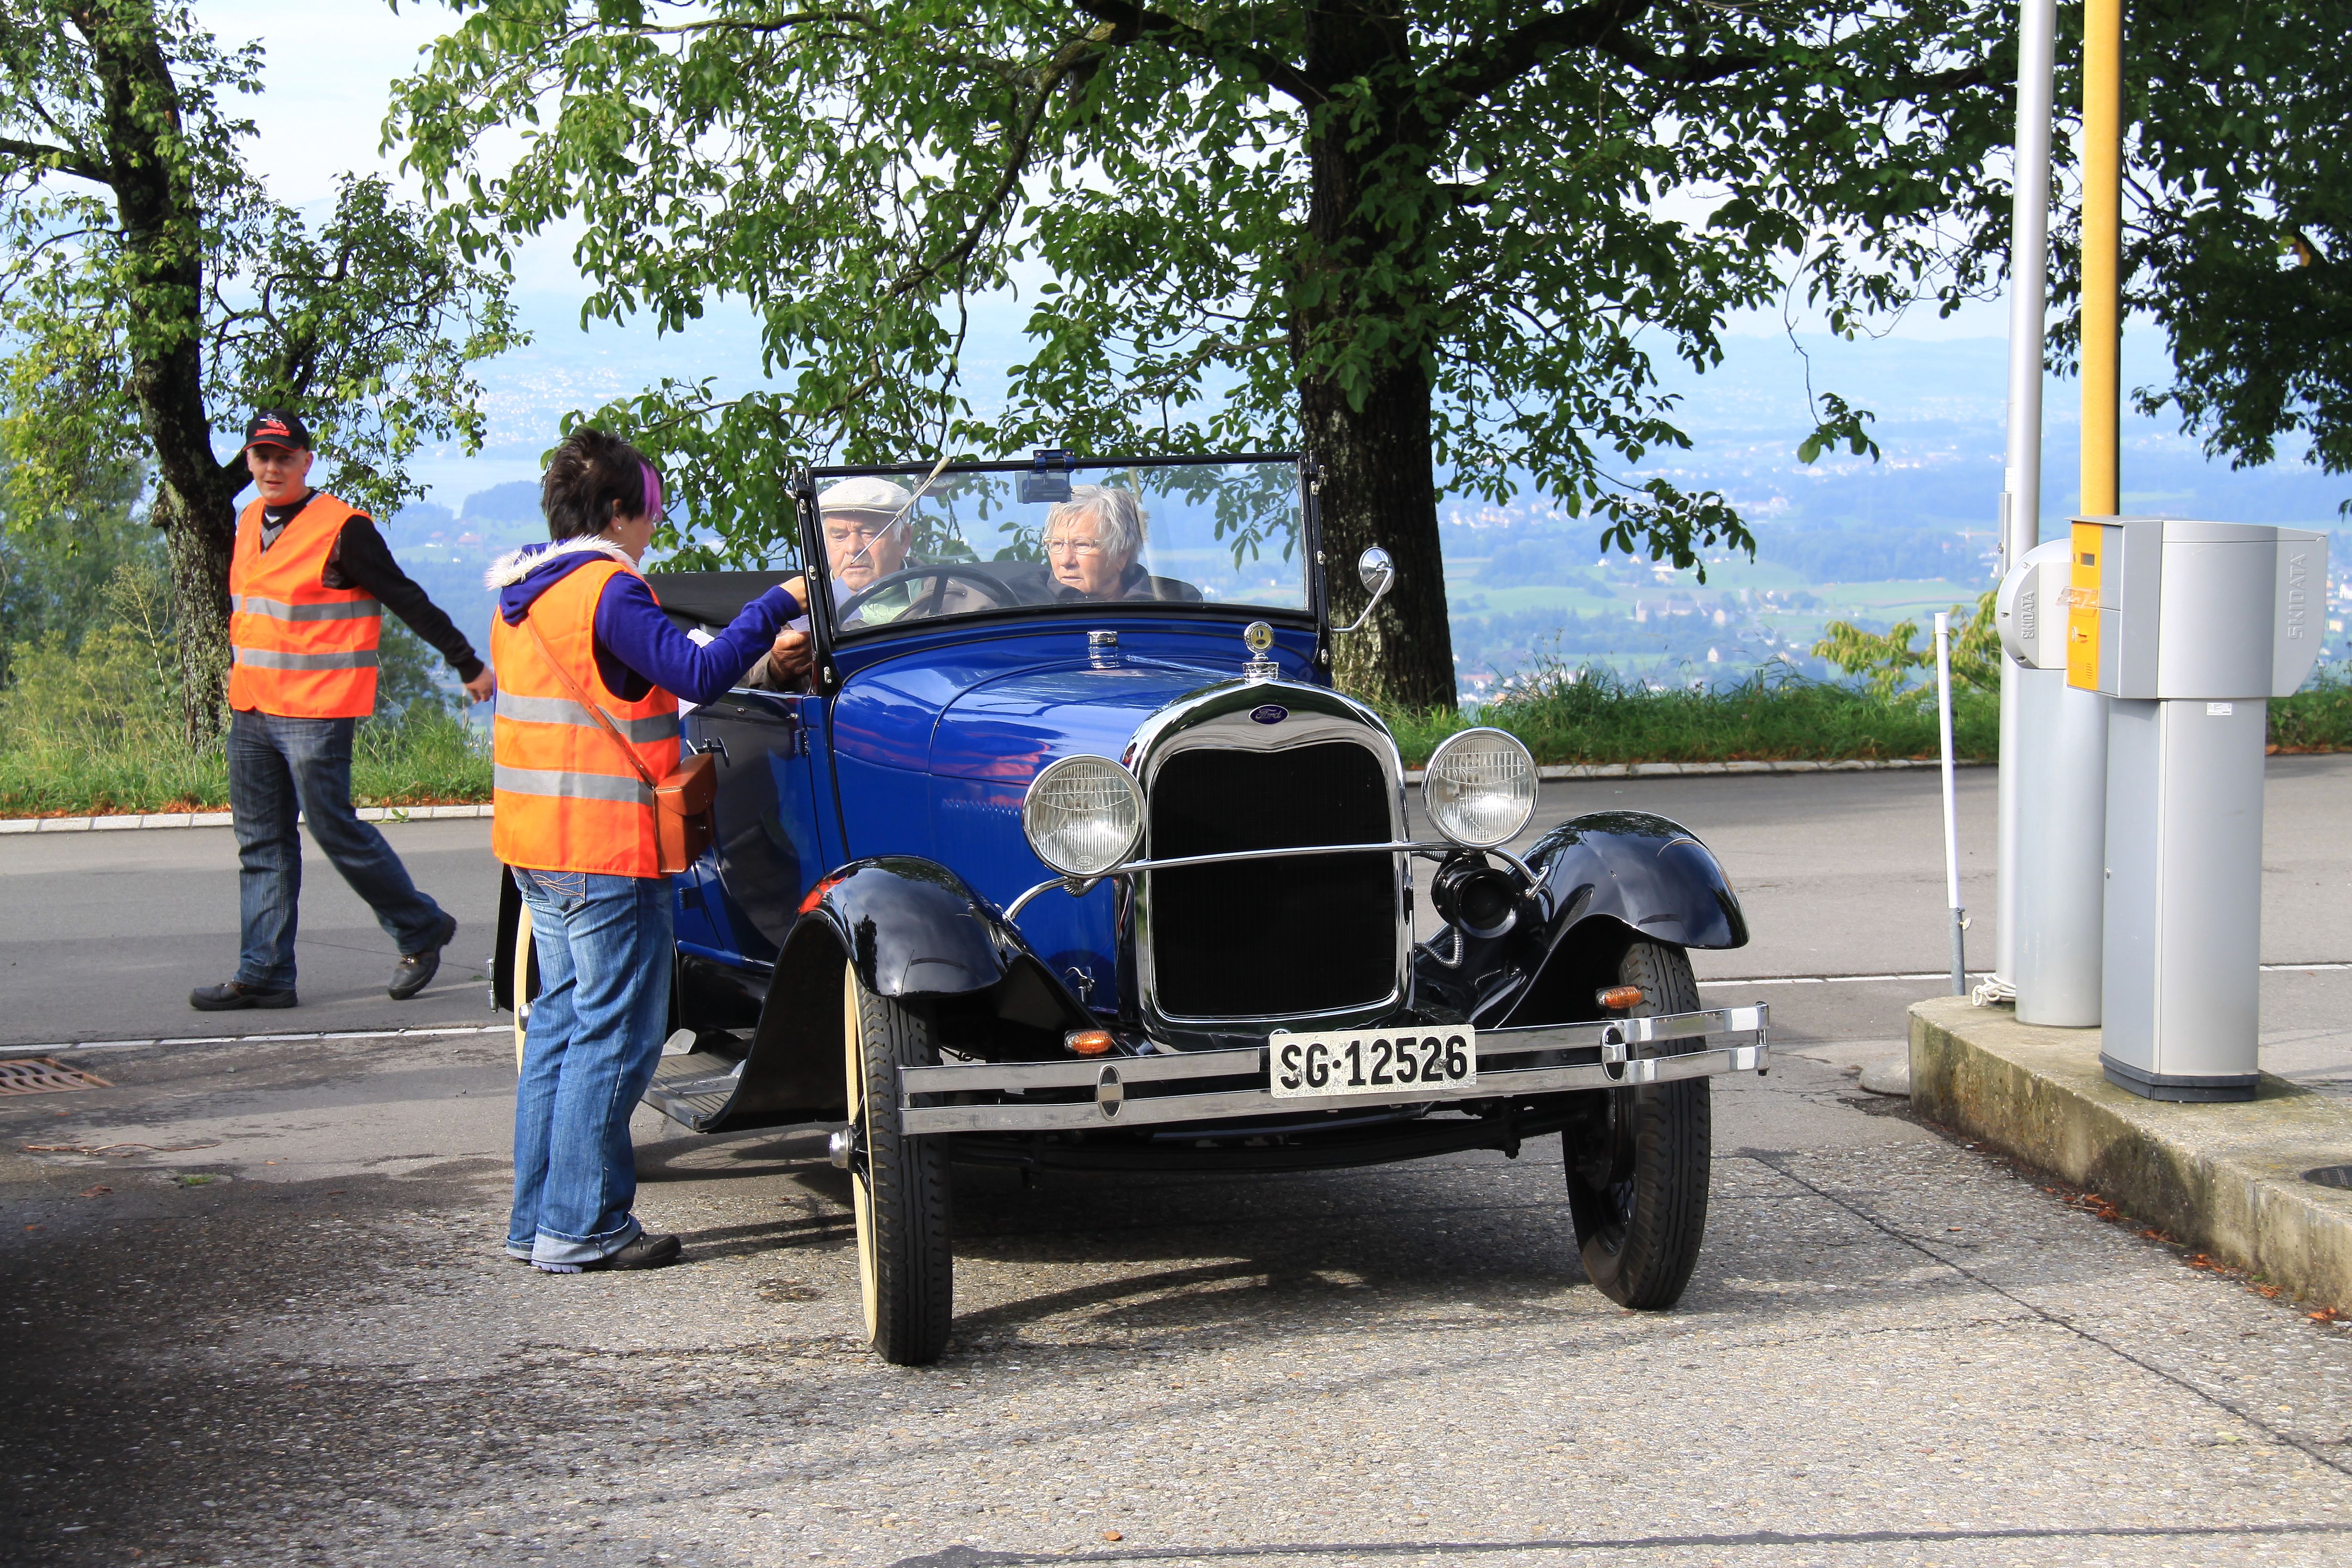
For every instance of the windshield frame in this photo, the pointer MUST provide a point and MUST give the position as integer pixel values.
(829, 634)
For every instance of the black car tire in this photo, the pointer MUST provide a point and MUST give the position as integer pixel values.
(1637, 1183)
(899, 1184)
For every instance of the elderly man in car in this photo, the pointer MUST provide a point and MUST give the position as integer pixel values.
(866, 534)
(1091, 544)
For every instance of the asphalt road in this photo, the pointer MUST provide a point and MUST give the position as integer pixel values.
(279, 1330)
(102, 935)
(286, 1336)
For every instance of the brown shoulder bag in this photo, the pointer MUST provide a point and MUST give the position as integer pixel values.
(683, 828)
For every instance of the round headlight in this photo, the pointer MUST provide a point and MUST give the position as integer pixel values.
(1479, 787)
(1083, 815)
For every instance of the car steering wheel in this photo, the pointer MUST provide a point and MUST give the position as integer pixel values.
(998, 593)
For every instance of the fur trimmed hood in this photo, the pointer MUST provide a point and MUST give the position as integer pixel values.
(522, 576)
(517, 564)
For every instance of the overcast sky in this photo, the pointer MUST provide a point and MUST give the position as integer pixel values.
(330, 64)
(330, 67)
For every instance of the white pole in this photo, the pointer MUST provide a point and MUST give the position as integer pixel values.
(2021, 497)
(1951, 807)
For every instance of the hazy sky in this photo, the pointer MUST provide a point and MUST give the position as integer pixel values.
(329, 64)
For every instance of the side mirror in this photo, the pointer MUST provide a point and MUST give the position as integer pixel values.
(1377, 573)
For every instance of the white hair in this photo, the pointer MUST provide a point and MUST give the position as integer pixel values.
(1120, 525)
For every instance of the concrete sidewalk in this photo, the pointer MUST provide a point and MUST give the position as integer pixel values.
(2229, 1179)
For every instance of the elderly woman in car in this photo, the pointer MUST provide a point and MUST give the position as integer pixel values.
(1091, 544)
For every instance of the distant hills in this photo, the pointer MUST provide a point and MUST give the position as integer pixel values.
(1846, 538)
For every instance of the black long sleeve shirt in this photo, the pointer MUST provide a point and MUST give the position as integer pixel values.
(360, 559)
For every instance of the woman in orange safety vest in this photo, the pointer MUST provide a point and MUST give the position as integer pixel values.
(575, 822)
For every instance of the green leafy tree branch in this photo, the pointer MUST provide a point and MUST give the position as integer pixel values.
(1448, 238)
(1886, 661)
(152, 293)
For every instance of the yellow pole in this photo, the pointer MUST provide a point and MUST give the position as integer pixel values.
(2103, 157)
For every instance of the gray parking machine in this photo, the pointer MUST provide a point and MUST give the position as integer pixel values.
(2189, 627)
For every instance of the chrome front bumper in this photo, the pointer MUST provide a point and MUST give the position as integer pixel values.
(994, 1097)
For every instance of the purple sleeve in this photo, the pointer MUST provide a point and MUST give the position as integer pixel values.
(638, 648)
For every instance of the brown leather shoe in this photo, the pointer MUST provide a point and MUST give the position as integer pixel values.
(646, 1251)
(232, 994)
(416, 971)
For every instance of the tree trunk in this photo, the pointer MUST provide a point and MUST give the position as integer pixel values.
(1379, 489)
(154, 193)
(1379, 485)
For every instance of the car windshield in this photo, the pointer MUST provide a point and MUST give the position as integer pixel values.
(905, 544)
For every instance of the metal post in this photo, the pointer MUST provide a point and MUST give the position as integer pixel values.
(2102, 155)
(2053, 741)
(1951, 809)
(2021, 497)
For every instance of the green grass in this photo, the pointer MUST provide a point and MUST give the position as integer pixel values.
(1594, 715)
(2316, 719)
(424, 761)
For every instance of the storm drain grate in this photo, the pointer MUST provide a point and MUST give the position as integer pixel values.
(44, 1075)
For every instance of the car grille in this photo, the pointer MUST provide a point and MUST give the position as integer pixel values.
(1267, 937)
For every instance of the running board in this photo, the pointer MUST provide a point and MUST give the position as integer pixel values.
(694, 1091)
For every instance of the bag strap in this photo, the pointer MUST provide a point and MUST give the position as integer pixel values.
(590, 703)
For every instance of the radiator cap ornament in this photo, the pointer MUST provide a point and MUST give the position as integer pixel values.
(1258, 636)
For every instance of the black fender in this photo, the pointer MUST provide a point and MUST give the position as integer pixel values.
(912, 927)
(1601, 881)
(1647, 872)
(913, 930)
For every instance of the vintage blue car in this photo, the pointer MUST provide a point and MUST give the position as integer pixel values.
(1067, 855)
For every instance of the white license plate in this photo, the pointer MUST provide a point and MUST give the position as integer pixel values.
(1391, 1062)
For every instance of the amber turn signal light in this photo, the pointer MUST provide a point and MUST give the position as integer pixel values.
(1087, 1042)
(1619, 996)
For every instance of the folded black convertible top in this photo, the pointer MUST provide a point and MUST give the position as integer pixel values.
(708, 598)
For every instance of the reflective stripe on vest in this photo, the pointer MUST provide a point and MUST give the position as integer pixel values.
(567, 798)
(279, 610)
(298, 647)
(270, 658)
(568, 785)
(564, 710)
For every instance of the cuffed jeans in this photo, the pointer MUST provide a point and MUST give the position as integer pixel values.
(280, 767)
(590, 1047)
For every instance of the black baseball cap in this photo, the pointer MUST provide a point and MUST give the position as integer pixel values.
(268, 427)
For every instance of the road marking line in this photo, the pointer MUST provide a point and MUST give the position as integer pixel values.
(1974, 975)
(254, 1039)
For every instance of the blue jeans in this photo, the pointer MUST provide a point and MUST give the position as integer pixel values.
(590, 1048)
(277, 766)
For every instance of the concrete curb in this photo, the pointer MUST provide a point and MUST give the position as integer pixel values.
(2225, 1178)
(219, 818)
(441, 813)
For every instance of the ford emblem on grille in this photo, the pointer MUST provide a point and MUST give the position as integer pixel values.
(1271, 713)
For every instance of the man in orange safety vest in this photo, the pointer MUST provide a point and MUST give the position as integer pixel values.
(309, 580)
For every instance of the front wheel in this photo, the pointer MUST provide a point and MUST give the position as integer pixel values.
(898, 1184)
(1637, 1176)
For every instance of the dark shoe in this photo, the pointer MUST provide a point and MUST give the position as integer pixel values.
(236, 994)
(416, 971)
(645, 1252)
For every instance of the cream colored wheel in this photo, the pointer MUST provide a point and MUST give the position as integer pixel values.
(898, 1184)
(519, 986)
